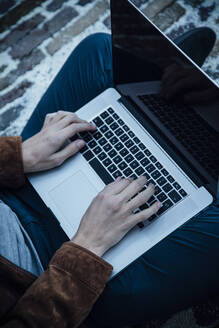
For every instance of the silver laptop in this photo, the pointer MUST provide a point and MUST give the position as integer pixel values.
(140, 132)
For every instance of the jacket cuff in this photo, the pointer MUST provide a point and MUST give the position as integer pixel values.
(83, 264)
(11, 162)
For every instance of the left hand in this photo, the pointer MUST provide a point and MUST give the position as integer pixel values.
(44, 150)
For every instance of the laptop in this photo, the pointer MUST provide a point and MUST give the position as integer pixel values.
(140, 132)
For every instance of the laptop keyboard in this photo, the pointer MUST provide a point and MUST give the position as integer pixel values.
(189, 128)
(114, 150)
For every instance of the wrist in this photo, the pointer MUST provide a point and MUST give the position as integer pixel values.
(97, 250)
(28, 160)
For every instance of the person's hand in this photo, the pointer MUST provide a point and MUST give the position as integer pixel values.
(188, 84)
(110, 215)
(45, 150)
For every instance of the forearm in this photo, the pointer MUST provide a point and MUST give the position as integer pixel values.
(65, 293)
(11, 163)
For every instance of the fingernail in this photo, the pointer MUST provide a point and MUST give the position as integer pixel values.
(80, 143)
(119, 178)
(159, 205)
(93, 124)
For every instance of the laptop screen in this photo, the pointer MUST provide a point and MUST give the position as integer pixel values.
(167, 88)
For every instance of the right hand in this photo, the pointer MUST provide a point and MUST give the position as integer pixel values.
(110, 215)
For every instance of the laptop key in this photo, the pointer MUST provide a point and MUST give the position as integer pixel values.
(92, 144)
(102, 141)
(167, 187)
(117, 159)
(112, 153)
(102, 156)
(124, 137)
(120, 121)
(97, 150)
(104, 128)
(111, 111)
(117, 174)
(122, 166)
(107, 162)
(142, 146)
(177, 186)
(161, 197)
(123, 152)
(84, 149)
(88, 155)
(134, 164)
(129, 158)
(129, 143)
(109, 120)
(139, 155)
(119, 132)
(174, 196)
(128, 172)
(119, 146)
(114, 126)
(156, 174)
(182, 193)
(165, 173)
(158, 165)
(170, 179)
(134, 149)
(108, 134)
(98, 122)
(112, 168)
(161, 181)
(150, 168)
(126, 128)
(97, 135)
(104, 115)
(145, 162)
(116, 116)
(113, 140)
(101, 171)
(166, 205)
(157, 190)
(107, 147)
(147, 152)
(136, 140)
(153, 159)
(139, 171)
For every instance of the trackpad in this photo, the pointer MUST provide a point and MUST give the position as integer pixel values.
(73, 196)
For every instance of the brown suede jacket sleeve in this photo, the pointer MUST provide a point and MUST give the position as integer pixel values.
(63, 295)
(11, 164)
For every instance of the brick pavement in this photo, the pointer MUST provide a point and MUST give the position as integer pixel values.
(36, 37)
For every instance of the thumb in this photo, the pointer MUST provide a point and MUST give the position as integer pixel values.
(70, 150)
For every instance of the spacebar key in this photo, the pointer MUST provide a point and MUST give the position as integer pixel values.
(100, 170)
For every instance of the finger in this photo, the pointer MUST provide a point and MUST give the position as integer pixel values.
(48, 119)
(116, 188)
(69, 119)
(146, 214)
(70, 150)
(74, 128)
(141, 198)
(133, 188)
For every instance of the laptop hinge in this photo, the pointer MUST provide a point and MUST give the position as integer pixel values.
(158, 135)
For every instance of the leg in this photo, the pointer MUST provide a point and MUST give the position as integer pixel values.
(180, 271)
(86, 73)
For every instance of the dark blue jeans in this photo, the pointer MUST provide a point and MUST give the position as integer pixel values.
(181, 270)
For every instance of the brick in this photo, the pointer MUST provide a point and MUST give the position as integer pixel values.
(8, 117)
(55, 5)
(167, 17)
(155, 7)
(27, 64)
(60, 20)
(20, 31)
(14, 93)
(84, 2)
(107, 22)
(176, 32)
(6, 5)
(36, 37)
(205, 11)
(215, 51)
(78, 27)
(13, 16)
(2, 68)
